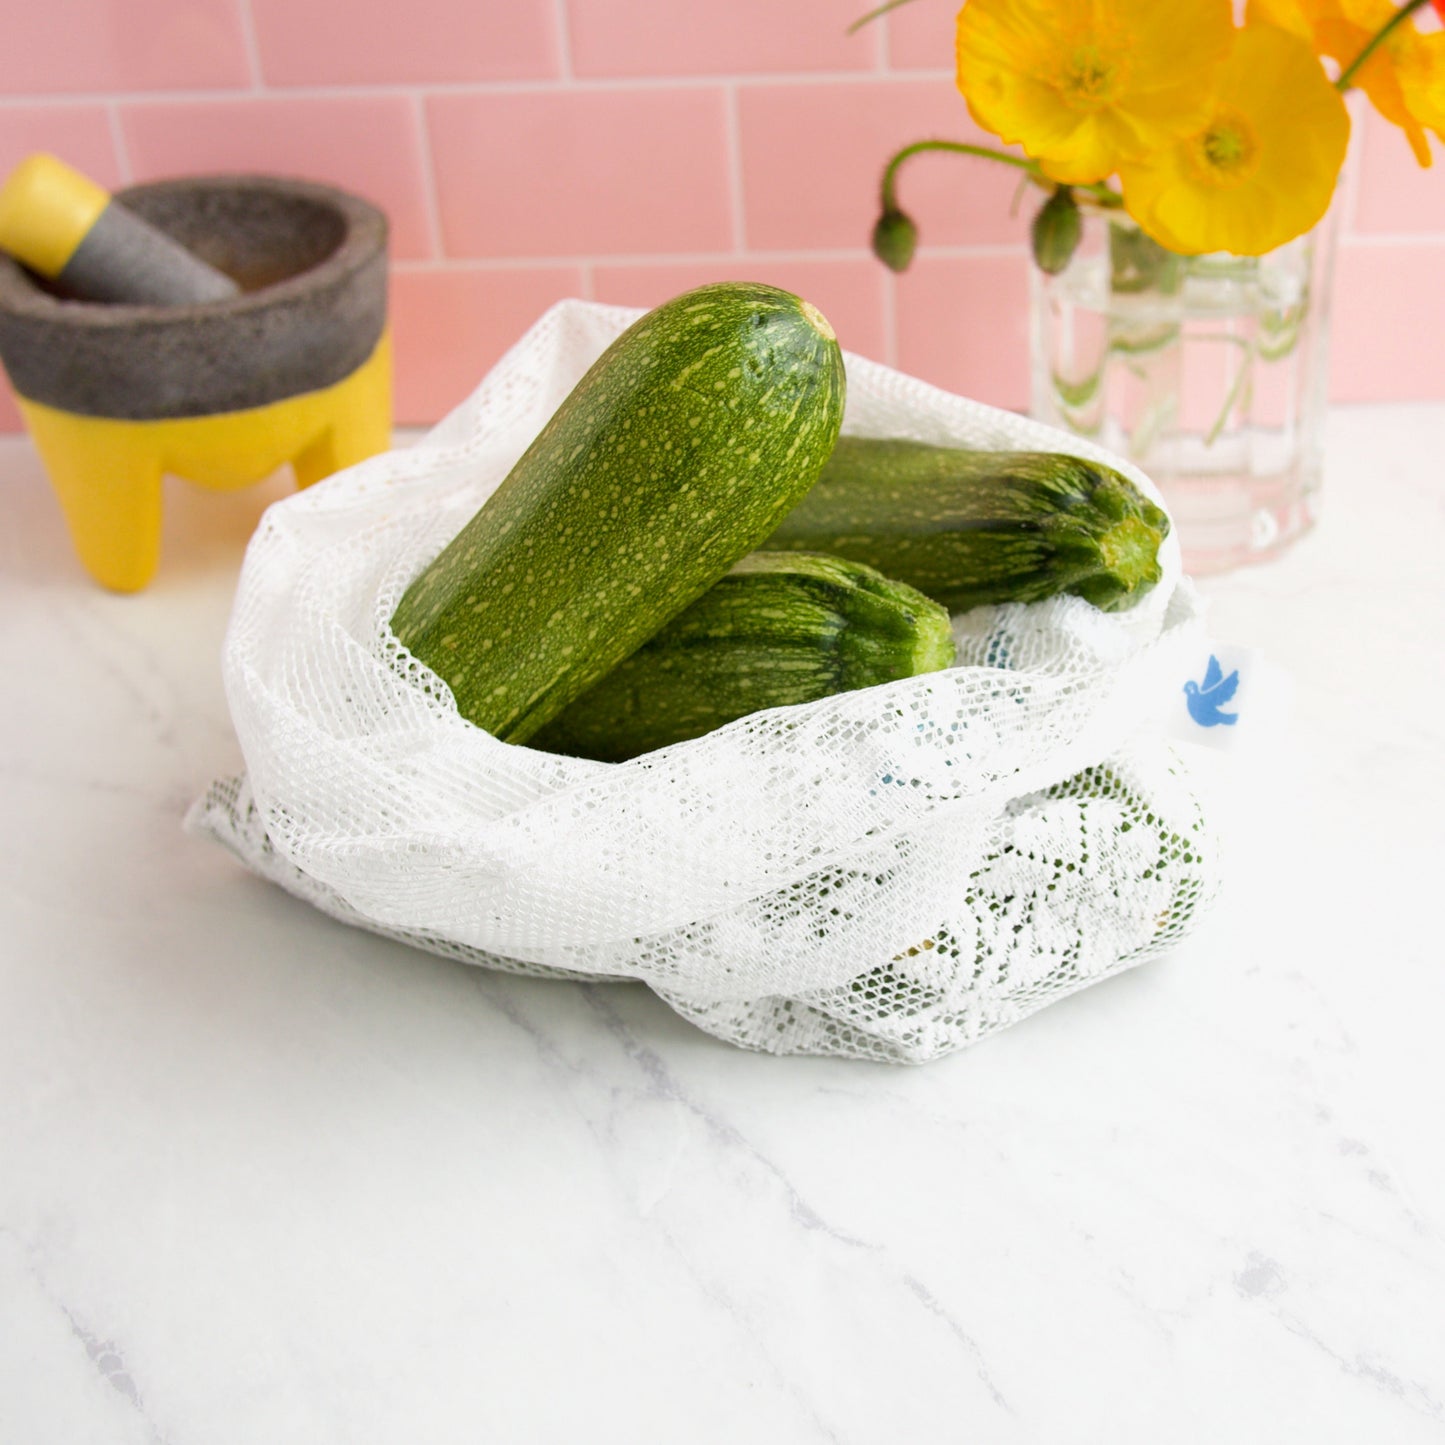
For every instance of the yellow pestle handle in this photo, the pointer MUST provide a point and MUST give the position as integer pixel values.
(64, 226)
(46, 211)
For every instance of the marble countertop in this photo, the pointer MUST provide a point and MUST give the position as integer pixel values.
(264, 1178)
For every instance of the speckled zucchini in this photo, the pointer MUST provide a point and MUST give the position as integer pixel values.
(679, 450)
(780, 628)
(970, 527)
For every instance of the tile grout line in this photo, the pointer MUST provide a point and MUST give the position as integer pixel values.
(251, 44)
(430, 192)
(889, 293)
(1354, 157)
(733, 135)
(118, 141)
(1391, 240)
(761, 254)
(890, 318)
(183, 95)
(565, 73)
(588, 265)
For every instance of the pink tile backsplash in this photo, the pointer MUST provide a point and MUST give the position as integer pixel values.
(850, 293)
(79, 134)
(558, 172)
(370, 144)
(378, 42)
(813, 157)
(1387, 340)
(629, 149)
(920, 35)
(1396, 194)
(963, 325)
(66, 46)
(451, 326)
(664, 38)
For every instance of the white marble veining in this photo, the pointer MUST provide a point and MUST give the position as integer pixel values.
(267, 1179)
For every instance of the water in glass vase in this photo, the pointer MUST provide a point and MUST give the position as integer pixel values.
(1208, 372)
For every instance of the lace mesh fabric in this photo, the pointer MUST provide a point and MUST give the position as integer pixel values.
(887, 874)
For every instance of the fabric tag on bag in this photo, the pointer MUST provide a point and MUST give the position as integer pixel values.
(1232, 698)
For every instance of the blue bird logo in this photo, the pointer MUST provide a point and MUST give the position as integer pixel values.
(1206, 698)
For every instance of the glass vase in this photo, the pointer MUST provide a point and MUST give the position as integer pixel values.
(1208, 372)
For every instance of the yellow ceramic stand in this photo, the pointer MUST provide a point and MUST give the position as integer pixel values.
(107, 472)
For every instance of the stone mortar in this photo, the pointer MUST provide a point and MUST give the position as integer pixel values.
(312, 264)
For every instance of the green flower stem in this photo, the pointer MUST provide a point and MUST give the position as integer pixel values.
(1357, 64)
(874, 14)
(1100, 195)
(957, 147)
(1098, 192)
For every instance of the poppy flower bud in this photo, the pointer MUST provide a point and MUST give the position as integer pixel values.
(895, 238)
(1056, 230)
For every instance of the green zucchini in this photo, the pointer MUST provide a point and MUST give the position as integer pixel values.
(679, 450)
(970, 527)
(776, 630)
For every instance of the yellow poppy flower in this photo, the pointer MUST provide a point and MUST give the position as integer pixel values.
(1422, 82)
(1081, 84)
(1263, 167)
(1296, 16)
(1404, 78)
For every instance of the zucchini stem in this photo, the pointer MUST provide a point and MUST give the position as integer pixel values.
(1130, 550)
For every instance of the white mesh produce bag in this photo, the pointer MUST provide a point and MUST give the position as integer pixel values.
(888, 873)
